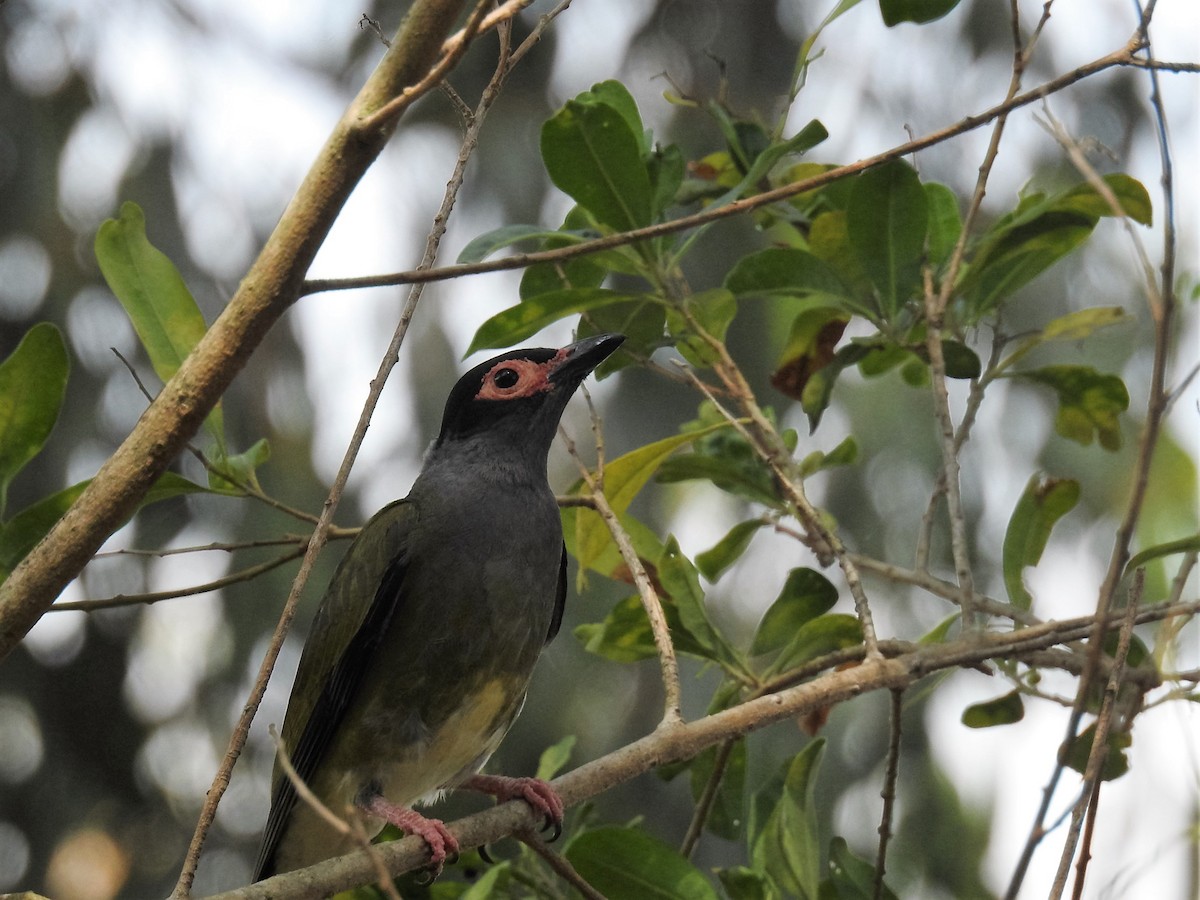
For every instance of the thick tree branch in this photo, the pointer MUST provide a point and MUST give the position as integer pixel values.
(684, 741)
(269, 288)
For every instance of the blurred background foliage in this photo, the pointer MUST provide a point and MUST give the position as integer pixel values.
(206, 113)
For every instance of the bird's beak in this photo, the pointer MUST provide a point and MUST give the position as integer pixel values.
(574, 362)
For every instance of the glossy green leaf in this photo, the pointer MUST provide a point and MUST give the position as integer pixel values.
(1001, 711)
(760, 160)
(628, 864)
(829, 240)
(886, 220)
(844, 454)
(155, 297)
(239, 469)
(681, 581)
(714, 311)
(666, 168)
(945, 222)
(919, 11)
(1115, 764)
(609, 562)
(787, 847)
(715, 560)
(818, 390)
(783, 271)
(744, 475)
(811, 346)
(744, 883)
(939, 632)
(1089, 403)
(593, 155)
(1082, 323)
(33, 382)
(641, 321)
(555, 757)
(1042, 504)
(624, 636)
(806, 594)
(486, 244)
(824, 634)
(1023, 254)
(515, 324)
(851, 877)
(1131, 195)
(613, 94)
(1189, 544)
(624, 477)
(728, 811)
(19, 535)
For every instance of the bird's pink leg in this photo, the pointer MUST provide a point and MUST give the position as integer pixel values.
(433, 831)
(534, 791)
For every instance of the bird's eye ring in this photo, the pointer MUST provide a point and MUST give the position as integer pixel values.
(506, 378)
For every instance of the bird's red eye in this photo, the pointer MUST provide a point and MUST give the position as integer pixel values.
(506, 378)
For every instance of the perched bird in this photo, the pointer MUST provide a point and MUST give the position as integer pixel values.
(422, 648)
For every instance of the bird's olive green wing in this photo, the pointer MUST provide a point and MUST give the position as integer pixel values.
(362, 597)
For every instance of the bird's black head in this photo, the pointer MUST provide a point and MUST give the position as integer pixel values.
(522, 392)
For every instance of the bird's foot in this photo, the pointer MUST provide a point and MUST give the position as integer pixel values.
(442, 844)
(537, 793)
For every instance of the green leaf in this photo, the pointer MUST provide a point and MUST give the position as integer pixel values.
(850, 877)
(627, 864)
(240, 468)
(555, 757)
(609, 562)
(824, 634)
(786, 272)
(810, 347)
(1001, 711)
(594, 155)
(728, 550)
(642, 323)
(886, 219)
(1189, 544)
(844, 454)
(742, 883)
(920, 11)
(938, 633)
(665, 168)
(818, 390)
(155, 297)
(1131, 196)
(681, 581)
(1115, 762)
(624, 477)
(806, 594)
(713, 310)
(728, 810)
(1089, 403)
(531, 315)
(1012, 261)
(829, 241)
(489, 242)
(613, 94)
(1042, 504)
(19, 535)
(763, 160)
(744, 477)
(33, 382)
(624, 636)
(1076, 326)
(945, 222)
(787, 848)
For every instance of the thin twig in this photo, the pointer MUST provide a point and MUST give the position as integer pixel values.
(338, 824)
(1122, 57)
(888, 793)
(1099, 750)
(561, 866)
(119, 600)
(687, 740)
(668, 664)
(707, 798)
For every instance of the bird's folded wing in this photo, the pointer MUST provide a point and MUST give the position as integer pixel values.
(364, 594)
